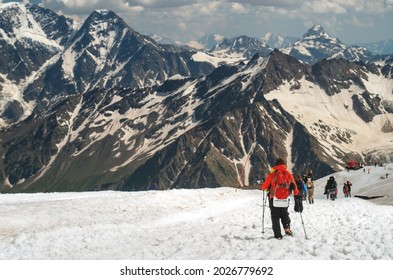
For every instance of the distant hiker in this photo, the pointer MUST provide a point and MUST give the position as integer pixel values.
(310, 186)
(302, 191)
(331, 188)
(279, 184)
(310, 175)
(347, 189)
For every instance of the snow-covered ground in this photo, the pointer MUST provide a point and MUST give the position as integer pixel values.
(203, 224)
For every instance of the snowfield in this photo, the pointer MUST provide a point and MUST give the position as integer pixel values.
(203, 224)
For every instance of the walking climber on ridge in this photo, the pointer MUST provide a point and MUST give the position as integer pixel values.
(303, 192)
(279, 184)
(310, 186)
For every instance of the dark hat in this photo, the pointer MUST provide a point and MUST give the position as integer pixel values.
(280, 161)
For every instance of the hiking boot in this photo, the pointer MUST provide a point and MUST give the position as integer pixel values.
(278, 238)
(288, 231)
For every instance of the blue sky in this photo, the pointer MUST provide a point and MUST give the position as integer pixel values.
(352, 21)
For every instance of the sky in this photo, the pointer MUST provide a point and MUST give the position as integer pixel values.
(226, 224)
(352, 21)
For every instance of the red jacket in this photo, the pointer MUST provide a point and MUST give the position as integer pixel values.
(266, 184)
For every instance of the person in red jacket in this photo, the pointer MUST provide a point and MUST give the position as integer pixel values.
(279, 213)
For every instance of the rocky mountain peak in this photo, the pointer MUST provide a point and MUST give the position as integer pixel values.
(316, 31)
(103, 15)
(100, 20)
(316, 45)
(105, 25)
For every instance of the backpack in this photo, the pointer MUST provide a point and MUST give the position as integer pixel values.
(280, 189)
(331, 185)
(300, 185)
(309, 183)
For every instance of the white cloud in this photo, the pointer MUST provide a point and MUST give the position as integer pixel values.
(160, 3)
(366, 6)
(182, 25)
(238, 8)
(88, 6)
(361, 23)
(271, 3)
(194, 44)
(324, 7)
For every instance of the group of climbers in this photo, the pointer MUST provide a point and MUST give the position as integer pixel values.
(331, 189)
(280, 184)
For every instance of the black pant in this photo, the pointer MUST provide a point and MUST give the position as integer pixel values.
(277, 214)
(298, 204)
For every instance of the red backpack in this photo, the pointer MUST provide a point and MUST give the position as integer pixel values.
(280, 185)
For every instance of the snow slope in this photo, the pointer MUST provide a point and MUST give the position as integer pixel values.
(187, 224)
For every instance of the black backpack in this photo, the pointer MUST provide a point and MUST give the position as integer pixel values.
(299, 184)
(331, 184)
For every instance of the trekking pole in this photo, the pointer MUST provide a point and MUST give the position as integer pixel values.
(305, 234)
(263, 213)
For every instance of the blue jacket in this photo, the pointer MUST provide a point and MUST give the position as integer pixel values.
(302, 187)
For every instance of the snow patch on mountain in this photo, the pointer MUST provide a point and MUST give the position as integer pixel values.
(25, 28)
(219, 58)
(311, 106)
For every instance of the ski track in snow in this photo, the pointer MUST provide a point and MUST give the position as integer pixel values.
(213, 224)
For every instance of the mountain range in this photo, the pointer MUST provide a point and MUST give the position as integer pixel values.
(100, 106)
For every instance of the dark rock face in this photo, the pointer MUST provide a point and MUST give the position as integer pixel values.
(387, 69)
(13, 111)
(366, 106)
(282, 68)
(31, 150)
(336, 75)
